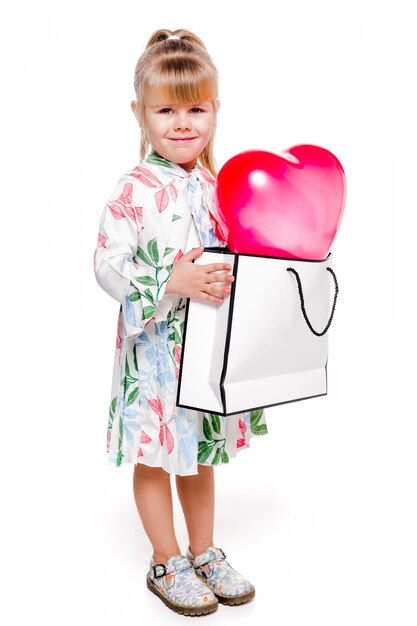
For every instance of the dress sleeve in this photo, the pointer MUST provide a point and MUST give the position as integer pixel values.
(134, 275)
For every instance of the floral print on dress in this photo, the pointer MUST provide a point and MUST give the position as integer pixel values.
(156, 213)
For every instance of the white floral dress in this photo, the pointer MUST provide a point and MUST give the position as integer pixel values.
(157, 212)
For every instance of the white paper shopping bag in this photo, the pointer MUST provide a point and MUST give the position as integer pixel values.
(266, 343)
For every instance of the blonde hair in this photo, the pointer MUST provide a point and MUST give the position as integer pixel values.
(184, 69)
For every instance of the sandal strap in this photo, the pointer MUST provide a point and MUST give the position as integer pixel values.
(171, 567)
(211, 554)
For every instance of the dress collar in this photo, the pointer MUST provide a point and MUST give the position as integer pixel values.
(197, 172)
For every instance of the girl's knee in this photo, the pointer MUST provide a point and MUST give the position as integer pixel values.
(205, 468)
(148, 470)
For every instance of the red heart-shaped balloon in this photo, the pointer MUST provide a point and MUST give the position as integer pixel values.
(282, 205)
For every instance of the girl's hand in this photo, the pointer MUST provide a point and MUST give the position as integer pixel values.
(192, 280)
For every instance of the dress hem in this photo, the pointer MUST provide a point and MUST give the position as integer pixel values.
(140, 462)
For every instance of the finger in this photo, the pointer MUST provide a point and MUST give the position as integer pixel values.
(193, 253)
(209, 298)
(212, 294)
(215, 299)
(214, 267)
(220, 275)
(217, 291)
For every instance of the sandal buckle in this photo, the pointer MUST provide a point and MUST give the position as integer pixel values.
(154, 570)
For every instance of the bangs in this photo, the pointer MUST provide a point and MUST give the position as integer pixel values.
(181, 80)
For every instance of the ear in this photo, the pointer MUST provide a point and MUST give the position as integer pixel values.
(217, 101)
(133, 105)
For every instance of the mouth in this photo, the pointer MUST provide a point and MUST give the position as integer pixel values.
(183, 139)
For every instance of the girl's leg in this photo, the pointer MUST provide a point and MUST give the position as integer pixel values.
(196, 494)
(152, 491)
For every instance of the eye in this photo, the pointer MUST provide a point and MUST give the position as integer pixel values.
(167, 110)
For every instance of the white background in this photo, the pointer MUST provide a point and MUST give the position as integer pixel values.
(320, 514)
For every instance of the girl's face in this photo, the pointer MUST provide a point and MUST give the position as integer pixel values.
(179, 132)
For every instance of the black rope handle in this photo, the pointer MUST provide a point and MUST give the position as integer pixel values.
(300, 291)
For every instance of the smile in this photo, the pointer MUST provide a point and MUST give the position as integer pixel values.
(184, 139)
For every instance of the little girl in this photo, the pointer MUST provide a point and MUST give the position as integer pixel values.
(157, 220)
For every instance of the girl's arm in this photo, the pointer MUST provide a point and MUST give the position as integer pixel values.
(132, 272)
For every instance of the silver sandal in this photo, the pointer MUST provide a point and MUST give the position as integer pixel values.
(178, 586)
(228, 585)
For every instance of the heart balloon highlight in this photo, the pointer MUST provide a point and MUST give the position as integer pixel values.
(282, 205)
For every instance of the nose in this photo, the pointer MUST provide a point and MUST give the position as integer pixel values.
(182, 121)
